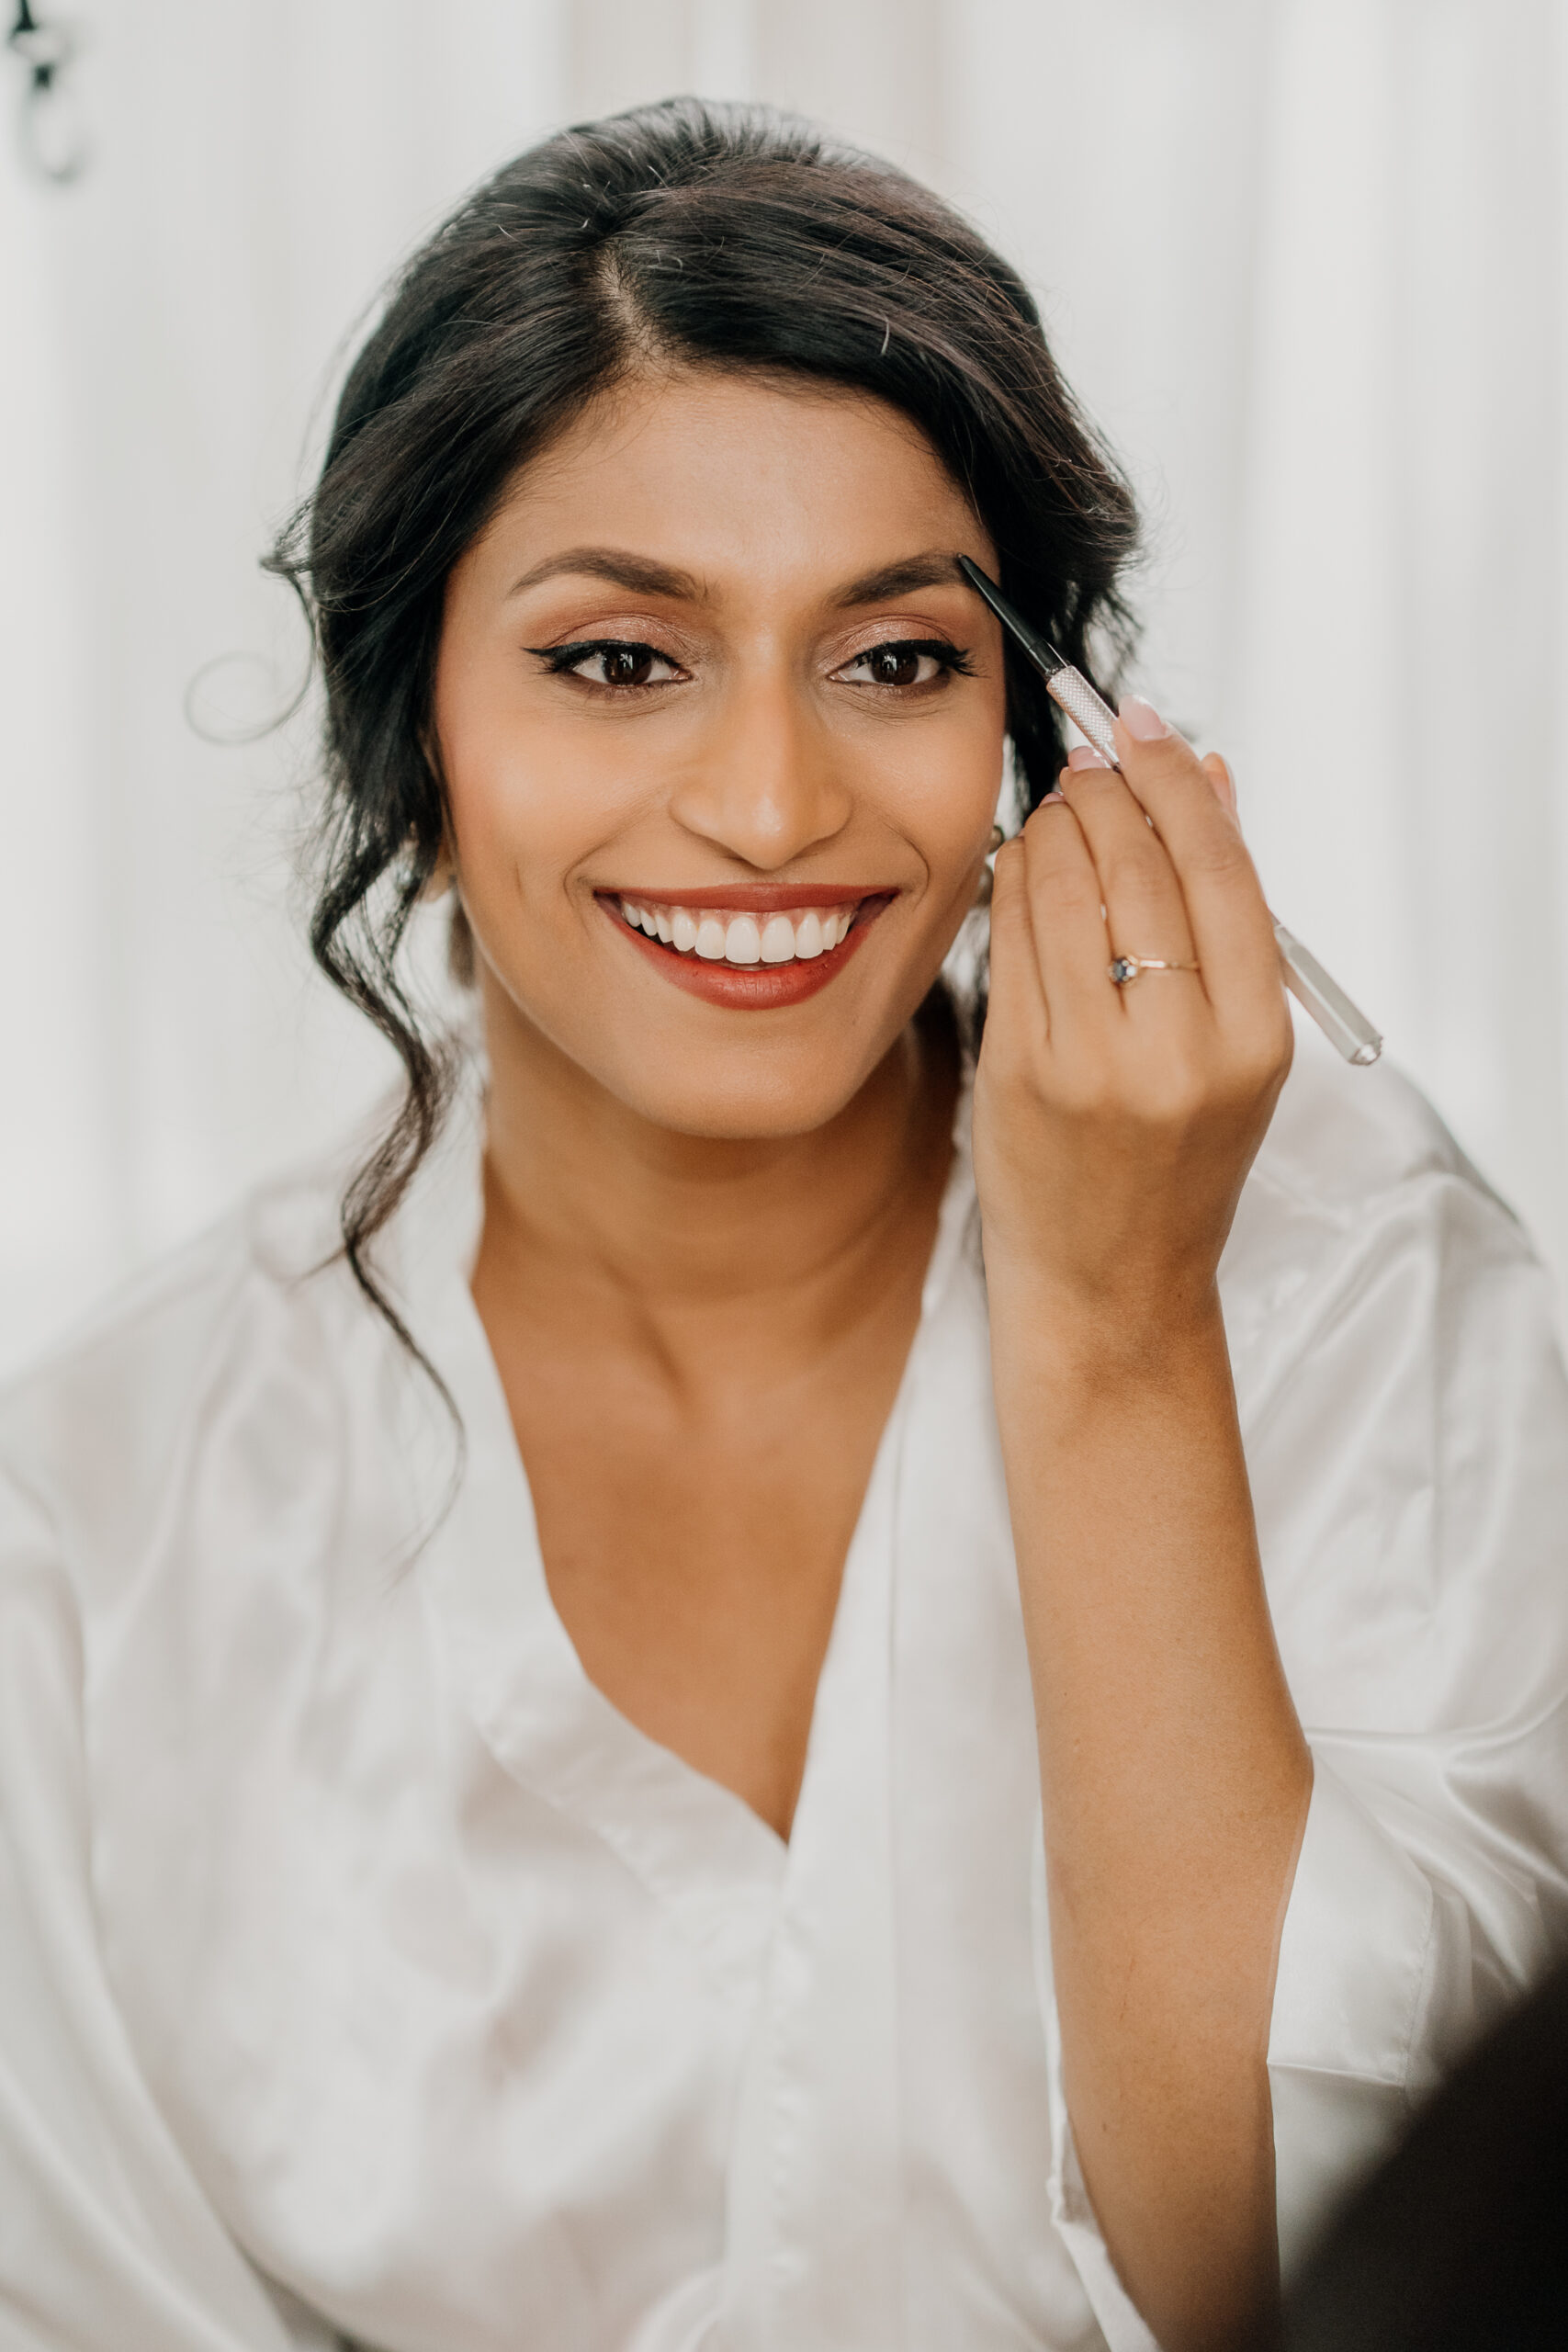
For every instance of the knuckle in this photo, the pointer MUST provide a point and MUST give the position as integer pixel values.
(1137, 870)
(1265, 1049)
(1220, 854)
(1271, 1056)
(1086, 1093)
(1006, 1059)
(1041, 826)
(1008, 1067)
(1167, 763)
(1252, 1078)
(1071, 889)
(1180, 1091)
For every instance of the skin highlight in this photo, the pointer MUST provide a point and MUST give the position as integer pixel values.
(708, 1216)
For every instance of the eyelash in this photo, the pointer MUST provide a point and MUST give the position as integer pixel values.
(951, 660)
(561, 660)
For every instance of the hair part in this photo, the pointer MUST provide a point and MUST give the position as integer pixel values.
(686, 234)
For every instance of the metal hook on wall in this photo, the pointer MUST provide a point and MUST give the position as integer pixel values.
(53, 138)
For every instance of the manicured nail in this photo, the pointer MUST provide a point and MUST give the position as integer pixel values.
(1084, 755)
(1225, 783)
(1048, 799)
(1141, 719)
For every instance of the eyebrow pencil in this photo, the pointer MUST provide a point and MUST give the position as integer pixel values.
(1346, 1027)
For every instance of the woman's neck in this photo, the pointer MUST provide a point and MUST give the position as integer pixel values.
(593, 1212)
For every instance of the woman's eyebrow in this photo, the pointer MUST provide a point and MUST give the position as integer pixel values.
(937, 568)
(644, 576)
(640, 574)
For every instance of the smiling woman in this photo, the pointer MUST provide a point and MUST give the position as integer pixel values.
(727, 243)
(979, 1708)
(771, 699)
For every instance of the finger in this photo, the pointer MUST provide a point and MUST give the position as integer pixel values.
(1232, 930)
(1072, 944)
(1016, 1016)
(1146, 912)
(1218, 773)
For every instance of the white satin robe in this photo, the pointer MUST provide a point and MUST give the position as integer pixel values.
(363, 1970)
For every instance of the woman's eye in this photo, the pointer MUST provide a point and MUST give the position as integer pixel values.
(610, 662)
(908, 662)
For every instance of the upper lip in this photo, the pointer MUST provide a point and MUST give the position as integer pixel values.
(753, 897)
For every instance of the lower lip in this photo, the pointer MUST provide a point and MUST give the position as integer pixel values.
(748, 987)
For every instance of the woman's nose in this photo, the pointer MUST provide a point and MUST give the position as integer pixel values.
(765, 784)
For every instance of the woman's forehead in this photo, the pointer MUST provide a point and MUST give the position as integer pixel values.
(721, 475)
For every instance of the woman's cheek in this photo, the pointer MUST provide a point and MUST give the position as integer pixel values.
(947, 809)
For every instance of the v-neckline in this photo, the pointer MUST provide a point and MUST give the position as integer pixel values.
(697, 1844)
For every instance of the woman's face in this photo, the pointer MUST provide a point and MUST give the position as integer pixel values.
(710, 666)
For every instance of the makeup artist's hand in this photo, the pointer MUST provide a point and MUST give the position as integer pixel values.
(1114, 1127)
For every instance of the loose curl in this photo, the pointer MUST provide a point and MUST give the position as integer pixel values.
(680, 234)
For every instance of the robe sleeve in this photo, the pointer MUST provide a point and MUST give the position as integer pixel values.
(1420, 1594)
(107, 2241)
(1407, 1443)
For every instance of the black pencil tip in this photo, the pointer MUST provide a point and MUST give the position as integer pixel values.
(1041, 652)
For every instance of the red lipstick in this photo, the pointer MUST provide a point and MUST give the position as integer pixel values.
(750, 987)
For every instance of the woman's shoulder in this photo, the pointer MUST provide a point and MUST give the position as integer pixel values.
(1354, 1156)
(1344, 1139)
(259, 1305)
(1361, 1193)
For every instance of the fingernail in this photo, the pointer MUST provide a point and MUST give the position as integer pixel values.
(1046, 799)
(1084, 755)
(1141, 719)
(1225, 783)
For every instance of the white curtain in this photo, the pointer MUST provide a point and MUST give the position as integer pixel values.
(1304, 259)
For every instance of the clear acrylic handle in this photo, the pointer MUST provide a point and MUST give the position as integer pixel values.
(1344, 1024)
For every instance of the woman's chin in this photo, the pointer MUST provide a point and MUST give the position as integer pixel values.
(752, 1097)
(675, 1060)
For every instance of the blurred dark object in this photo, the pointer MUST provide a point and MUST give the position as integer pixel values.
(1460, 2243)
(53, 137)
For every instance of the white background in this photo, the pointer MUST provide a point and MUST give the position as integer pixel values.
(1304, 259)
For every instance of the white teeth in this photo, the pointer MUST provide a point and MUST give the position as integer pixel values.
(742, 941)
(739, 939)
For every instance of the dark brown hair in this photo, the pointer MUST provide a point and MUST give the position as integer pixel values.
(720, 236)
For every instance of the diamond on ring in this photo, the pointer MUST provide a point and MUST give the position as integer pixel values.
(1124, 968)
